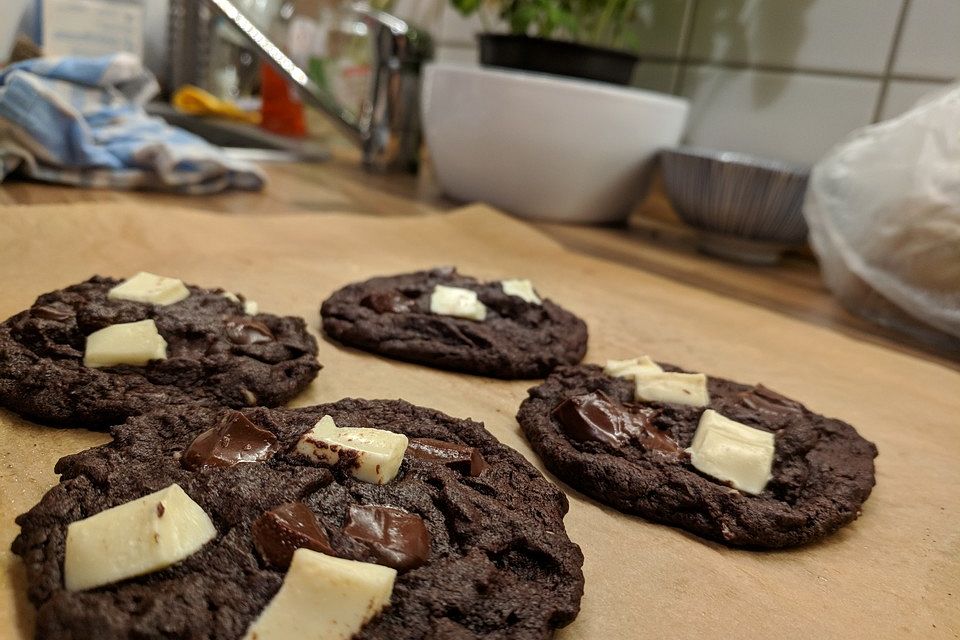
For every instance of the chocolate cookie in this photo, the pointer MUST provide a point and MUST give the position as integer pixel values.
(590, 432)
(517, 337)
(217, 354)
(474, 531)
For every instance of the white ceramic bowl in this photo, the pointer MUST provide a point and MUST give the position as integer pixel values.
(545, 147)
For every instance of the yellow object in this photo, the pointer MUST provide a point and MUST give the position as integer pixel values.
(197, 102)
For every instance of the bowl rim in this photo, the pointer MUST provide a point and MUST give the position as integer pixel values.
(551, 81)
(739, 158)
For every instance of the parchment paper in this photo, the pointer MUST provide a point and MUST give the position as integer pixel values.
(894, 573)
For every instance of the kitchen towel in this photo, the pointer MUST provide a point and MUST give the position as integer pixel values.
(81, 121)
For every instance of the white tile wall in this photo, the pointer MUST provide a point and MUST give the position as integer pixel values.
(840, 35)
(456, 54)
(790, 117)
(930, 45)
(424, 13)
(903, 94)
(656, 76)
(659, 28)
(454, 28)
(782, 78)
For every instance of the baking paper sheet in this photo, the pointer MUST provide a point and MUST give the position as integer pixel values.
(894, 573)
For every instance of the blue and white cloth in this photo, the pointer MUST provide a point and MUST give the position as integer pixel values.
(81, 121)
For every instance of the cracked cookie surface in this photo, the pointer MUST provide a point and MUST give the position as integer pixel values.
(217, 355)
(823, 469)
(500, 564)
(391, 316)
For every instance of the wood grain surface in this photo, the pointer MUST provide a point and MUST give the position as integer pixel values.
(894, 573)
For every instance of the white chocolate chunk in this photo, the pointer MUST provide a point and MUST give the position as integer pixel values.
(149, 287)
(521, 289)
(324, 598)
(457, 302)
(135, 343)
(250, 307)
(378, 453)
(135, 538)
(733, 452)
(631, 368)
(678, 388)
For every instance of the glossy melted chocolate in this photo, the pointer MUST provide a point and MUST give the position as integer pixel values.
(394, 537)
(284, 529)
(247, 332)
(52, 313)
(388, 302)
(764, 400)
(233, 441)
(459, 457)
(596, 416)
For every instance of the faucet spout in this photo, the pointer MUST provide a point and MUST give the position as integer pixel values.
(388, 129)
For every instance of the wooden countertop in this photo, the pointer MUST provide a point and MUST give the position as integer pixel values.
(651, 242)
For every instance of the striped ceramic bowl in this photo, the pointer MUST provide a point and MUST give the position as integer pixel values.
(749, 208)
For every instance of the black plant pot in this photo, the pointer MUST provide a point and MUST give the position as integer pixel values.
(557, 57)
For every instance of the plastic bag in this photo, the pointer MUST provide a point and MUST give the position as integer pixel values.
(883, 208)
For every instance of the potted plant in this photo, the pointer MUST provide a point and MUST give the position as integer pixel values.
(579, 38)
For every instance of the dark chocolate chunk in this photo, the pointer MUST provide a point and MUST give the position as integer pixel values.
(48, 312)
(388, 302)
(395, 538)
(762, 399)
(596, 416)
(459, 457)
(246, 332)
(284, 529)
(591, 417)
(233, 441)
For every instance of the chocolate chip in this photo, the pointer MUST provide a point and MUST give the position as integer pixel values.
(597, 417)
(394, 537)
(461, 458)
(762, 399)
(388, 302)
(233, 441)
(284, 529)
(247, 332)
(47, 312)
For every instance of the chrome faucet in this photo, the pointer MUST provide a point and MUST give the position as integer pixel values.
(388, 128)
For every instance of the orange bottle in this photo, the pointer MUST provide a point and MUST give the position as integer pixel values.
(282, 110)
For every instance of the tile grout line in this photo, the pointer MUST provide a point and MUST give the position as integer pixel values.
(891, 59)
(683, 46)
(464, 45)
(813, 71)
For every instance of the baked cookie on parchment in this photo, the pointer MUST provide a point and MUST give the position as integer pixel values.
(735, 463)
(94, 353)
(501, 329)
(356, 519)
